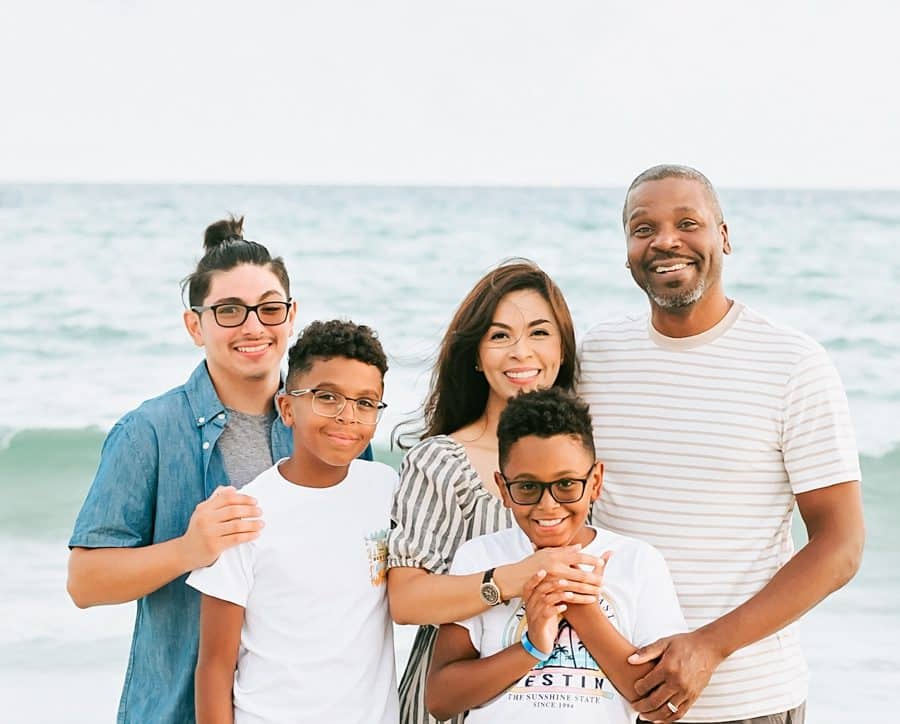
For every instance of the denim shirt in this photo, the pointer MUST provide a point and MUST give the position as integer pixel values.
(157, 463)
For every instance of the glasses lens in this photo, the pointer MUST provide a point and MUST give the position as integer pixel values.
(272, 313)
(367, 410)
(230, 315)
(567, 491)
(328, 404)
(525, 492)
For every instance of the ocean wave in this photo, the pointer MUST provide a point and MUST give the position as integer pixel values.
(45, 474)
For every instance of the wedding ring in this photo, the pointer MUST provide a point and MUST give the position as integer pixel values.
(672, 708)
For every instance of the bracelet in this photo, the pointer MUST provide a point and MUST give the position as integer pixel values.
(534, 650)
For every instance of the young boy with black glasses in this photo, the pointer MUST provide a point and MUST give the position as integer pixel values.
(543, 657)
(294, 625)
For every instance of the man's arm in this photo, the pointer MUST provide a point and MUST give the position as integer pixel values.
(220, 638)
(834, 523)
(100, 576)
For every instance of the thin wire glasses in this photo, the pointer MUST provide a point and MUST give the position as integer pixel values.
(329, 403)
(530, 492)
(233, 314)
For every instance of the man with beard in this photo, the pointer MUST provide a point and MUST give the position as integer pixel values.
(713, 422)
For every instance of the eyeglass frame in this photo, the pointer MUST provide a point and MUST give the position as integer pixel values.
(379, 404)
(199, 309)
(548, 487)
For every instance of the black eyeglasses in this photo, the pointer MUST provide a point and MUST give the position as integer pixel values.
(530, 492)
(233, 314)
(329, 403)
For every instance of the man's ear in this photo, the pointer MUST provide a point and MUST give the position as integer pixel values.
(504, 493)
(596, 480)
(192, 325)
(726, 245)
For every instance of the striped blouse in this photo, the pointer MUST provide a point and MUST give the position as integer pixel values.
(440, 504)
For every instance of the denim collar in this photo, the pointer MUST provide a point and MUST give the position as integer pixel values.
(201, 394)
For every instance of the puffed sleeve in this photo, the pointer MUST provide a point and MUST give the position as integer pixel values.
(428, 523)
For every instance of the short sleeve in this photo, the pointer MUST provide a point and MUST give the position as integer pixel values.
(119, 509)
(230, 578)
(657, 612)
(428, 523)
(818, 444)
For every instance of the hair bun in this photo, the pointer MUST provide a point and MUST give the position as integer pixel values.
(219, 232)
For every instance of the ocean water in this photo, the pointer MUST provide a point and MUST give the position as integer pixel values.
(91, 314)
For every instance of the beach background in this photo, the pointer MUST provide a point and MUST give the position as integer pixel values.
(91, 314)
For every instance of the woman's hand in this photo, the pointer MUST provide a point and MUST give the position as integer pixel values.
(571, 570)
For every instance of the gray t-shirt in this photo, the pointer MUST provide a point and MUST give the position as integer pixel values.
(246, 445)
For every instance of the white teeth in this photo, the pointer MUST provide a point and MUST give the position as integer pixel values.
(522, 375)
(549, 523)
(664, 269)
(254, 348)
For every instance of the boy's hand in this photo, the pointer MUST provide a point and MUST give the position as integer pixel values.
(544, 607)
(219, 522)
(559, 564)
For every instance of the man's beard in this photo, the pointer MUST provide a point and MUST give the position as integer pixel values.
(677, 298)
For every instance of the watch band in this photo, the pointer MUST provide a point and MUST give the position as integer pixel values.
(488, 577)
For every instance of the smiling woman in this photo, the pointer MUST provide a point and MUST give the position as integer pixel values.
(512, 333)
(155, 510)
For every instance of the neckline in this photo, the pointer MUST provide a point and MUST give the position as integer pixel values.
(677, 344)
(468, 463)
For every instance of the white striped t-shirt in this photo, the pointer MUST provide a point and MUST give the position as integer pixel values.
(705, 442)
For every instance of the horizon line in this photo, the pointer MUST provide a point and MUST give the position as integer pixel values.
(415, 185)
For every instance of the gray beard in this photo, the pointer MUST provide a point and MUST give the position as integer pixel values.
(677, 299)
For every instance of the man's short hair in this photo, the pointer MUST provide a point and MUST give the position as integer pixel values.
(544, 413)
(335, 338)
(671, 170)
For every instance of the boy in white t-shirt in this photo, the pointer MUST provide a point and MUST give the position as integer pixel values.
(540, 658)
(294, 626)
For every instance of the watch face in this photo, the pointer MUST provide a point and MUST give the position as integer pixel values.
(490, 593)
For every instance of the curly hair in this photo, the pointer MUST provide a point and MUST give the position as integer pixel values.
(335, 338)
(544, 413)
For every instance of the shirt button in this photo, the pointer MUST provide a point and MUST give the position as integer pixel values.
(201, 420)
(221, 415)
(206, 445)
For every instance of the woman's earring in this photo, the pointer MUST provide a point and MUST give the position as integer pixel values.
(627, 265)
(477, 367)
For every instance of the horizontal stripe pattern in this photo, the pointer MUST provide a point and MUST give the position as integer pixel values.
(705, 443)
(440, 504)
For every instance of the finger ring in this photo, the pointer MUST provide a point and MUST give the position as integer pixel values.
(671, 707)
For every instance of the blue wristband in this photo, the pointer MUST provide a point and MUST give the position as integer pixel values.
(534, 650)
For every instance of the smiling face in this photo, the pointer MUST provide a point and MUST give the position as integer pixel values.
(251, 351)
(521, 349)
(548, 523)
(676, 241)
(323, 444)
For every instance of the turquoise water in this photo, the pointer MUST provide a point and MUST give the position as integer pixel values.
(92, 326)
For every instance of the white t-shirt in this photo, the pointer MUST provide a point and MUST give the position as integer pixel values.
(637, 596)
(706, 440)
(317, 639)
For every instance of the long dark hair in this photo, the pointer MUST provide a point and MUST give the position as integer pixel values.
(459, 393)
(225, 248)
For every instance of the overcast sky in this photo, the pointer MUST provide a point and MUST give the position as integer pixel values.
(763, 93)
